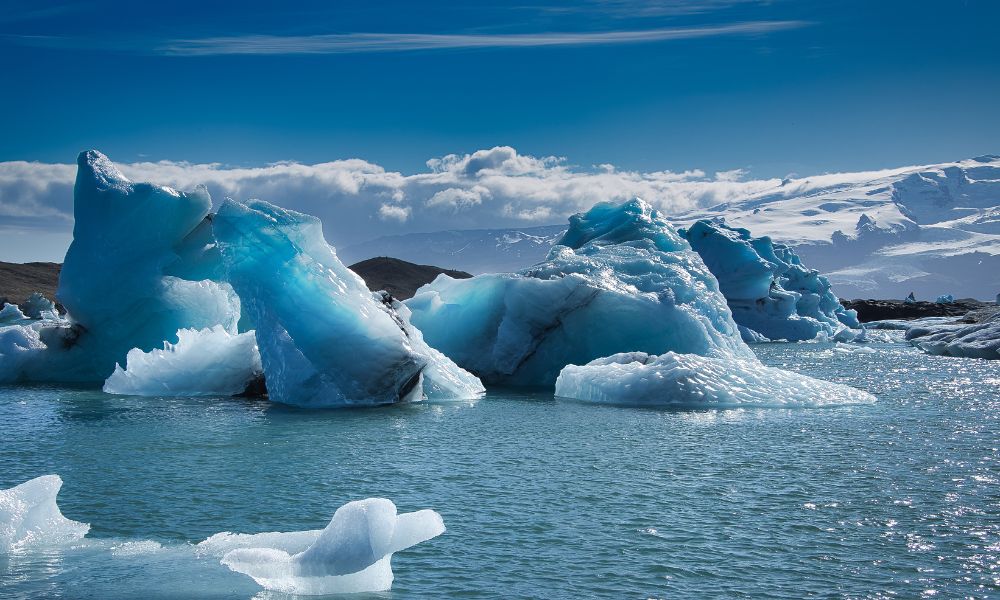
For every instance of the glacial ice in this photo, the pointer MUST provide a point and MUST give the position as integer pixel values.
(325, 340)
(11, 313)
(767, 288)
(692, 381)
(36, 306)
(29, 516)
(203, 362)
(352, 554)
(116, 282)
(976, 340)
(620, 279)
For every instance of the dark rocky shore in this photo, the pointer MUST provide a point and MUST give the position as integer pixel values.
(399, 277)
(18, 281)
(878, 310)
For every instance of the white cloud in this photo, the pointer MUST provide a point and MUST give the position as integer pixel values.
(393, 211)
(352, 43)
(359, 200)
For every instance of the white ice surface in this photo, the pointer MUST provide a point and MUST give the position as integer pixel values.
(692, 381)
(30, 518)
(352, 554)
(204, 362)
(977, 340)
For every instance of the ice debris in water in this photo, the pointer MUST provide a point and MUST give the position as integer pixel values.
(975, 340)
(688, 380)
(36, 306)
(620, 279)
(203, 362)
(11, 313)
(122, 280)
(352, 554)
(324, 338)
(768, 289)
(29, 516)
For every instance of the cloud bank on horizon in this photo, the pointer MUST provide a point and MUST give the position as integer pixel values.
(359, 200)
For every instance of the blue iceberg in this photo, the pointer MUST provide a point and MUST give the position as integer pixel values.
(619, 280)
(324, 338)
(771, 294)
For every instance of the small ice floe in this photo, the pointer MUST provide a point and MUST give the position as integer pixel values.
(350, 555)
(29, 516)
(692, 381)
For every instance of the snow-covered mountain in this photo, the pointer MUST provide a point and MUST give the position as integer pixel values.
(931, 229)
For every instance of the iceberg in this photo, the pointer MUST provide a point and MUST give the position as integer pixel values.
(203, 362)
(325, 340)
(29, 516)
(976, 340)
(769, 291)
(116, 282)
(620, 279)
(36, 306)
(11, 313)
(351, 555)
(692, 381)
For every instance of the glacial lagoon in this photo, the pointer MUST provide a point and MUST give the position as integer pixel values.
(897, 498)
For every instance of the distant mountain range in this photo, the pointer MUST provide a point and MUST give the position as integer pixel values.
(930, 230)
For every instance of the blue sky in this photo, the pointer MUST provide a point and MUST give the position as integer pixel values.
(774, 86)
(567, 103)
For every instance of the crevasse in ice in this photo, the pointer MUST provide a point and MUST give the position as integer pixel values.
(689, 380)
(116, 282)
(203, 362)
(29, 516)
(620, 279)
(771, 294)
(324, 338)
(352, 554)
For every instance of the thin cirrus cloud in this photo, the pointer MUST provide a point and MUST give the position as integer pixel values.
(354, 43)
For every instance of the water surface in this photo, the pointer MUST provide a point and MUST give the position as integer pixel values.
(542, 497)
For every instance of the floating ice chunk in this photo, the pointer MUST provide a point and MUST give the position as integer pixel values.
(768, 289)
(620, 279)
(976, 340)
(11, 313)
(205, 362)
(29, 516)
(945, 299)
(37, 305)
(692, 381)
(324, 338)
(352, 554)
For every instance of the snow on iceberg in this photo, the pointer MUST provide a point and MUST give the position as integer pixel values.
(620, 279)
(692, 381)
(117, 282)
(29, 516)
(203, 362)
(767, 288)
(352, 554)
(976, 340)
(325, 340)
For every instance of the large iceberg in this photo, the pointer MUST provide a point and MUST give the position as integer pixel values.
(620, 279)
(769, 291)
(324, 338)
(975, 340)
(120, 281)
(352, 554)
(692, 381)
(29, 516)
(203, 362)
